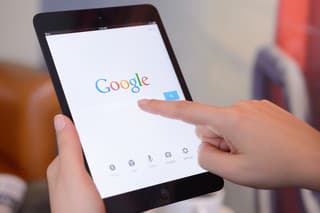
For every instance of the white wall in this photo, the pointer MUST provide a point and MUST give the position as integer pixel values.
(17, 38)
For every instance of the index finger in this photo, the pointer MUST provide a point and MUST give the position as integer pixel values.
(187, 111)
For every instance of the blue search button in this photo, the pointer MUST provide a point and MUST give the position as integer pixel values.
(171, 96)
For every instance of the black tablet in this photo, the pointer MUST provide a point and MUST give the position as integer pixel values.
(102, 61)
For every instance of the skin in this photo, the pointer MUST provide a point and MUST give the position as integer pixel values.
(253, 143)
(71, 189)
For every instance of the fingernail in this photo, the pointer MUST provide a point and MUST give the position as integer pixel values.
(59, 122)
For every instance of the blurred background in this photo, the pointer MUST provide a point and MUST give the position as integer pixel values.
(228, 51)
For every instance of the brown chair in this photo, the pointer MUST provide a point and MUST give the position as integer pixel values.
(27, 106)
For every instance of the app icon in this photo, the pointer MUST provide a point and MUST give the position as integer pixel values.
(150, 159)
(171, 96)
(131, 163)
(185, 150)
(168, 154)
(112, 167)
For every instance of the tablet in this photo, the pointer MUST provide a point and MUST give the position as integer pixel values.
(102, 61)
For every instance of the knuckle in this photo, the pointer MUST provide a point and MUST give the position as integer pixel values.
(265, 102)
(236, 115)
(202, 154)
(52, 169)
(212, 166)
(254, 102)
(202, 158)
(241, 103)
(197, 131)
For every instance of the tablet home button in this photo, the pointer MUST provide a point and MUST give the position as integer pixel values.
(164, 194)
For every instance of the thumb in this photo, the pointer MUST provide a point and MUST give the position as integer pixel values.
(69, 148)
(218, 162)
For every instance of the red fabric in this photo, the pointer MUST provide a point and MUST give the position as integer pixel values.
(276, 96)
(288, 201)
(291, 33)
(297, 35)
(313, 61)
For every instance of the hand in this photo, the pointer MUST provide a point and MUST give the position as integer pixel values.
(71, 189)
(253, 143)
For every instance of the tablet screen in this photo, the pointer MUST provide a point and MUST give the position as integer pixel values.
(103, 74)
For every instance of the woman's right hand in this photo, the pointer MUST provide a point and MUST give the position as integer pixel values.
(253, 143)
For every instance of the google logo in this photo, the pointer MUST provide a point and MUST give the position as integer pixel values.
(134, 84)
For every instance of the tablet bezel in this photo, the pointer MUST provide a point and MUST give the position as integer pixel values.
(94, 19)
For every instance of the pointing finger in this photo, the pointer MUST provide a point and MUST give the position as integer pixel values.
(190, 112)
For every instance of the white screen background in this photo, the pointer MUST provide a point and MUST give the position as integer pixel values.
(112, 129)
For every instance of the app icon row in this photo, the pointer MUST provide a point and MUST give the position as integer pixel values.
(132, 163)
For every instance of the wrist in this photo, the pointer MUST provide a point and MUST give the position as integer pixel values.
(309, 174)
